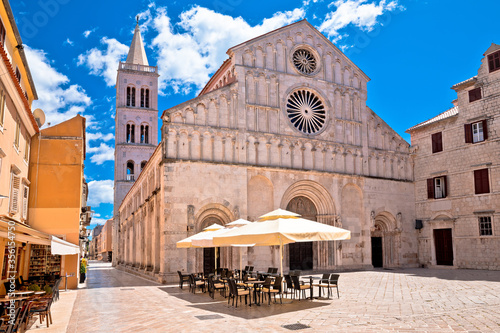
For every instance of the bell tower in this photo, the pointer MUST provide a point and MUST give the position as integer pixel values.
(136, 119)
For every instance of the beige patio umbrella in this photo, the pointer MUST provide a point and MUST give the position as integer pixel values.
(205, 239)
(281, 227)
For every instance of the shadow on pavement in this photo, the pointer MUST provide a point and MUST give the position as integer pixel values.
(219, 305)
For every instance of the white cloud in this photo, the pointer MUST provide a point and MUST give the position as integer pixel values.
(189, 56)
(87, 33)
(99, 136)
(100, 192)
(56, 97)
(101, 154)
(69, 42)
(357, 12)
(104, 63)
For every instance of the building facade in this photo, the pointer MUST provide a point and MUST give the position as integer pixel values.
(136, 120)
(282, 124)
(58, 196)
(457, 188)
(17, 126)
(105, 242)
(93, 249)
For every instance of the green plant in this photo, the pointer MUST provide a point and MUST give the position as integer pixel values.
(47, 289)
(34, 287)
(83, 269)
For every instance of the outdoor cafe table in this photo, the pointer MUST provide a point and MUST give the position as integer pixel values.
(253, 283)
(23, 293)
(311, 278)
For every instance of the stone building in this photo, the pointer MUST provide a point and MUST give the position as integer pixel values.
(282, 124)
(457, 175)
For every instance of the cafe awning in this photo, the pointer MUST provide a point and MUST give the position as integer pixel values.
(26, 234)
(59, 246)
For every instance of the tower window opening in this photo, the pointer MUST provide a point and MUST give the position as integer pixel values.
(130, 170)
(130, 133)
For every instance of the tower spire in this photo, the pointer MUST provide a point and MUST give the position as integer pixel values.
(137, 53)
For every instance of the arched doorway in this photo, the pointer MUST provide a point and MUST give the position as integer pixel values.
(385, 240)
(211, 255)
(301, 254)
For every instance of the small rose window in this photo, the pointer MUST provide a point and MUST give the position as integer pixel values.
(304, 61)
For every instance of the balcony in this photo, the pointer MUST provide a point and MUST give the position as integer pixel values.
(130, 178)
(139, 68)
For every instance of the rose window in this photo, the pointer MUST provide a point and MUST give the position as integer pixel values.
(306, 111)
(304, 61)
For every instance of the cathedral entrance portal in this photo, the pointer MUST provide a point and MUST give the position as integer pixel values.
(301, 254)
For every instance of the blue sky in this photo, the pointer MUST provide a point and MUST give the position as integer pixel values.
(412, 50)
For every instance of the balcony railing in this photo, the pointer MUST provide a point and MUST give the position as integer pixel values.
(139, 68)
(130, 177)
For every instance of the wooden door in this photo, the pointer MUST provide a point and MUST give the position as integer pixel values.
(301, 254)
(444, 247)
(209, 260)
(377, 254)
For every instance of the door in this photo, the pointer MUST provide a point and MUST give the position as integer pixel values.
(444, 247)
(301, 254)
(377, 255)
(209, 260)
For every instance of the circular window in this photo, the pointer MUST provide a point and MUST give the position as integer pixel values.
(304, 61)
(306, 111)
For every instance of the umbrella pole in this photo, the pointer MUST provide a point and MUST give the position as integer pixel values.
(241, 269)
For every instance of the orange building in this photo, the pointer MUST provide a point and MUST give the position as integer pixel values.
(58, 193)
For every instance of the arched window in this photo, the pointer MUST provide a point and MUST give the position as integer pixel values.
(144, 98)
(130, 96)
(130, 133)
(144, 134)
(143, 164)
(130, 170)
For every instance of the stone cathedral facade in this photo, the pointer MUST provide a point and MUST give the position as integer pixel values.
(282, 124)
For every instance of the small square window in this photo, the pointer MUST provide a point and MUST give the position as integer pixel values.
(494, 61)
(485, 228)
(474, 95)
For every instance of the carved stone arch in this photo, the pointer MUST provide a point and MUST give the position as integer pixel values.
(386, 239)
(315, 192)
(211, 212)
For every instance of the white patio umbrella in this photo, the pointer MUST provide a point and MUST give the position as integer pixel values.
(281, 227)
(188, 242)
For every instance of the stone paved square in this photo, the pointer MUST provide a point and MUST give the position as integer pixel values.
(400, 300)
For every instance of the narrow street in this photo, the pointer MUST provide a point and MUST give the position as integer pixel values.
(430, 300)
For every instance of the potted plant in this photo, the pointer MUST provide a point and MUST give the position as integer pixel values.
(83, 272)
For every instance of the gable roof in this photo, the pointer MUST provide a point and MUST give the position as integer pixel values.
(307, 24)
(445, 115)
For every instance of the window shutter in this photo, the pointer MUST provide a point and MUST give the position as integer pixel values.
(481, 181)
(430, 188)
(437, 142)
(485, 129)
(25, 201)
(445, 186)
(14, 194)
(468, 133)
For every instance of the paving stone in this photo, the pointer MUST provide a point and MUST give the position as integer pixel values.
(406, 300)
